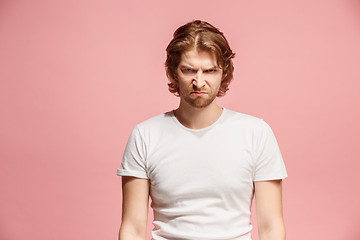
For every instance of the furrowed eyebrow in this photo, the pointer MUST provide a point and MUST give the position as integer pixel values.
(185, 66)
(214, 67)
(189, 66)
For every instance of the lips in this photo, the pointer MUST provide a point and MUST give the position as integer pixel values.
(197, 93)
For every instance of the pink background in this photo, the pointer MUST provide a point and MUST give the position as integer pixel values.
(76, 76)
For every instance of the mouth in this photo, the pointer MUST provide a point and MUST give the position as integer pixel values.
(198, 93)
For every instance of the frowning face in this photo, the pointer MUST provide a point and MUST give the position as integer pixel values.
(199, 78)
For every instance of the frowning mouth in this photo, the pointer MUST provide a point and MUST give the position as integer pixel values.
(198, 93)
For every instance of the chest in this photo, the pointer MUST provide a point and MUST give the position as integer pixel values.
(198, 166)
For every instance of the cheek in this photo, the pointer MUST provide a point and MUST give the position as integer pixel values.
(215, 81)
(184, 82)
(182, 87)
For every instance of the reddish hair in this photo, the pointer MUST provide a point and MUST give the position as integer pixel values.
(203, 36)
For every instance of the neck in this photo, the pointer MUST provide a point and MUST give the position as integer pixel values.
(197, 118)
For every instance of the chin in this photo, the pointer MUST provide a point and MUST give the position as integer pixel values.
(200, 103)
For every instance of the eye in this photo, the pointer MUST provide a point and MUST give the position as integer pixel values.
(188, 70)
(210, 70)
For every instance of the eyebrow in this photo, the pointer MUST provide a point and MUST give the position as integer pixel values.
(185, 65)
(190, 66)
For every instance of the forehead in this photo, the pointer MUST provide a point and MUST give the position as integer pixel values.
(198, 58)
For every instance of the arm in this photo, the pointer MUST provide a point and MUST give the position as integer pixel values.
(134, 208)
(269, 210)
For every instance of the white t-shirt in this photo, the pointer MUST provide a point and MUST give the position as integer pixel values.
(202, 179)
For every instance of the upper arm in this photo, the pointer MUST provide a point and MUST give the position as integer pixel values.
(135, 206)
(268, 200)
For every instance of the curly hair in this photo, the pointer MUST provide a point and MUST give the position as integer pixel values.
(203, 36)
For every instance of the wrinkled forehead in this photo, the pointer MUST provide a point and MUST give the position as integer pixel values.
(198, 58)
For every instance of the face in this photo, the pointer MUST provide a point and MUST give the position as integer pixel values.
(199, 78)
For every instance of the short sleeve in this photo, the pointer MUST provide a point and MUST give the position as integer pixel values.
(134, 158)
(269, 164)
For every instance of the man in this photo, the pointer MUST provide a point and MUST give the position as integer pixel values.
(201, 163)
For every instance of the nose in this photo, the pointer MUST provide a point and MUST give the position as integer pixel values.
(199, 80)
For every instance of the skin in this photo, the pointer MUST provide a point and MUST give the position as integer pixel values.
(199, 79)
(134, 208)
(269, 214)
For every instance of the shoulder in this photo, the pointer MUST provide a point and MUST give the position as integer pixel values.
(255, 126)
(246, 120)
(155, 123)
(150, 131)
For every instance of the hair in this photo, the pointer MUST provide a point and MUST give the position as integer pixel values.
(199, 35)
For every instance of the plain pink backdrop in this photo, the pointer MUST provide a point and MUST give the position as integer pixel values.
(76, 76)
